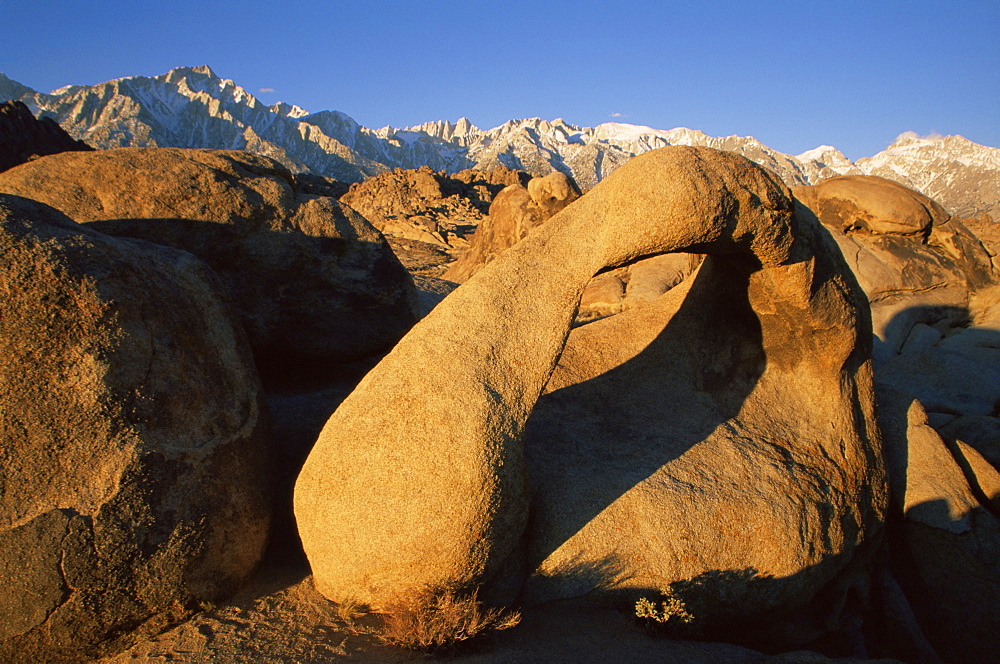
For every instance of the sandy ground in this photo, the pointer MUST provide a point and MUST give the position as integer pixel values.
(280, 618)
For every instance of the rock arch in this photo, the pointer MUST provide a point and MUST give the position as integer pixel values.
(419, 479)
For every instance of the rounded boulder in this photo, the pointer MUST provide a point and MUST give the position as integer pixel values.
(314, 284)
(134, 444)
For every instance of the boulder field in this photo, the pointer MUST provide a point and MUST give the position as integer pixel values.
(728, 425)
(435, 208)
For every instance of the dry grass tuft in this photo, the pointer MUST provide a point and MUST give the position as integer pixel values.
(349, 611)
(441, 622)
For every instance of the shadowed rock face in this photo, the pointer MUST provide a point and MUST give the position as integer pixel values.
(946, 507)
(315, 285)
(739, 408)
(133, 439)
(23, 138)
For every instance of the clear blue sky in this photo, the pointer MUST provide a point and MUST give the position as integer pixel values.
(794, 74)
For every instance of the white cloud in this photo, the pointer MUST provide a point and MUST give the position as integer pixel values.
(266, 90)
(915, 135)
(618, 115)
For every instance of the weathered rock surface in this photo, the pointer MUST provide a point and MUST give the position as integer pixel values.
(650, 278)
(947, 546)
(429, 207)
(634, 285)
(515, 211)
(704, 445)
(729, 409)
(915, 262)
(987, 229)
(23, 138)
(131, 469)
(313, 283)
(552, 192)
(873, 204)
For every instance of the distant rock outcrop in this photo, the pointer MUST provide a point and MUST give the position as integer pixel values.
(313, 283)
(429, 207)
(134, 442)
(23, 138)
(671, 444)
(515, 211)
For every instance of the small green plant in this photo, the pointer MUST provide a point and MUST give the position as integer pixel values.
(440, 622)
(667, 614)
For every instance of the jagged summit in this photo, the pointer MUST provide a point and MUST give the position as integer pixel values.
(288, 110)
(194, 107)
(201, 69)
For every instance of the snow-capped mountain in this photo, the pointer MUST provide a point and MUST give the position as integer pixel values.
(193, 107)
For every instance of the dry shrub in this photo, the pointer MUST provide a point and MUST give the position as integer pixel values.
(441, 621)
(670, 615)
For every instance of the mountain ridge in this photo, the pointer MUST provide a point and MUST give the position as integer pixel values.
(194, 107)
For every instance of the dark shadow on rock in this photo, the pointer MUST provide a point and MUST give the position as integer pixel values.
(944, 577)
(692, 378)
(706, 597)
(580, 480)
(941, 317)
(297, 418)
(933, 599)
(314, 308)
(586, 447)
(319, 313)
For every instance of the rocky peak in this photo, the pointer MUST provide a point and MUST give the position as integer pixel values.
(11, 89)
(960, 174)
(288, 110)
(200, 69)
(825, 161)
(459, 132)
